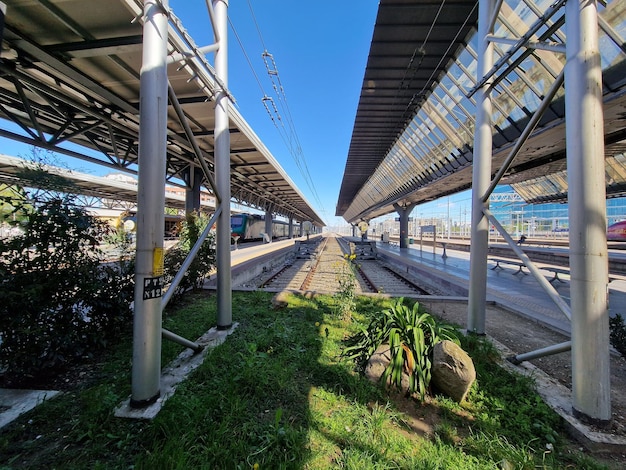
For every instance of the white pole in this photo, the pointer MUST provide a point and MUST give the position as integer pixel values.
(587, 213)
(222, 170)
(481, 177)
(146, 368)
(449, 221)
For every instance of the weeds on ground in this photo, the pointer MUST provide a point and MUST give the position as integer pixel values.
(345, 298)
(277, 395)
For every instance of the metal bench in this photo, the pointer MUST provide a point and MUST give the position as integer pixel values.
(556, 272)
(500, 261)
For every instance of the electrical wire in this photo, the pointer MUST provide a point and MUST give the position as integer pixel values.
(246, 56)
(278, 109)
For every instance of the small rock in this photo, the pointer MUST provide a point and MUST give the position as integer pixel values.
(280, 300)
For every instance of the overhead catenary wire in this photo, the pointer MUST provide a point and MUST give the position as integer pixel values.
(272, 110)
(293, 140)
(277, 107)
(246, 56)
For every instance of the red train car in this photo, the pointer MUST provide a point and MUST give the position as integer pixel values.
(617, 232)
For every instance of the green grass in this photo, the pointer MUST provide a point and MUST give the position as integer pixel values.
(277, 395)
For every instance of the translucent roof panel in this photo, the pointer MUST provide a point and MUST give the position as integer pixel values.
(553, 187)
(429, 153)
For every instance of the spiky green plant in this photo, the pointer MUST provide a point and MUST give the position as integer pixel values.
(411, 334)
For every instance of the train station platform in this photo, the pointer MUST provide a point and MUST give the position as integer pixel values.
(509, 286)
(515, 289)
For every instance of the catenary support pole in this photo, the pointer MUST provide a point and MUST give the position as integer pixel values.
(587, 213)
(481, 176)
(222, 170)
(146, 368)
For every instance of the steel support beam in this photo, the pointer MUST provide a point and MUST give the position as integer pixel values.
(166, 334)
(525, 135)
(534, 270)
(543, 352)
(146, 368)
(268, 225)
(195, 249)
(222, 168)
(403, 212)
(587, 213)
(481, 174)
(192, 139)
(193, 178)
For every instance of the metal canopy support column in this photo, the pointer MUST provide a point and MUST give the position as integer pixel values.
(587, 213)
(290, 227)
(192, 194)
(481, 174)
(146, 368)
(403, 212)
(222, 169)
(268, 225)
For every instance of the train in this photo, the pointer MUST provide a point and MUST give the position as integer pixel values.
(616, 232)
(251, 227)
(244, 227)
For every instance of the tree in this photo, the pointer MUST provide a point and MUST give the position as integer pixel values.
(58, 301)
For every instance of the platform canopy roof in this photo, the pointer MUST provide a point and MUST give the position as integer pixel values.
(69, 73)
(111, 190)
(412, 139)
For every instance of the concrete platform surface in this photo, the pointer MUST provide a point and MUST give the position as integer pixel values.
(13, 403)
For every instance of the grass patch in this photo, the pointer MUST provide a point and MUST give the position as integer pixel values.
(277, 395)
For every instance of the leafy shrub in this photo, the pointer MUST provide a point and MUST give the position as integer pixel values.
(202, 265)
(618, 333)
(411, 334)
(57, 300)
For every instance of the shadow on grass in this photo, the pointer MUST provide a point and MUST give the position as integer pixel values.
(274, 395)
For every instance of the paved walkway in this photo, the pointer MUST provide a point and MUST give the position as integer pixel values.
(519, 292)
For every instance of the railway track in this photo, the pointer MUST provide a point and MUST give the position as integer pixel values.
(322, 270)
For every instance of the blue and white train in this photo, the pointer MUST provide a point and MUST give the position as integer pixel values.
(251, 227)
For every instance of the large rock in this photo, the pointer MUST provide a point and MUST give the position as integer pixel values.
(453, 370)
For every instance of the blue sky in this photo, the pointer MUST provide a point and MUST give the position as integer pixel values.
(320, 50)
